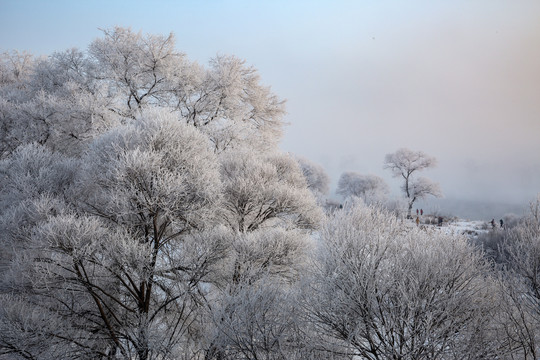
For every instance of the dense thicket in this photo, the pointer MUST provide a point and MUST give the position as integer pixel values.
(147, 213)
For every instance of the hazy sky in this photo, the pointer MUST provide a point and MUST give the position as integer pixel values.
(459, 80)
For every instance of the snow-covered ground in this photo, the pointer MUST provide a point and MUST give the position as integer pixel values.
(455, 226)
(466, 227)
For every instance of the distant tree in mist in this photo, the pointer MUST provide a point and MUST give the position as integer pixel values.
(404, 163)
(370, 188)
(317, 179)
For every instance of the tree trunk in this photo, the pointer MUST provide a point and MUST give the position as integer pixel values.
(409, 216)
(142, 341)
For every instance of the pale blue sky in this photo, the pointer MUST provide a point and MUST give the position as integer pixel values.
(457, 79)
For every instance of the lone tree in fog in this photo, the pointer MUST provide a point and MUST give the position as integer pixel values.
(404, 163)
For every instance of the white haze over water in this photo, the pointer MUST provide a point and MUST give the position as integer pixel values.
(458, 80)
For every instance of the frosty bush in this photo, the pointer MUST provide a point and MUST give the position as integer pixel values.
(385, 291)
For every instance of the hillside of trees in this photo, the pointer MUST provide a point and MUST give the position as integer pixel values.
(146, 212)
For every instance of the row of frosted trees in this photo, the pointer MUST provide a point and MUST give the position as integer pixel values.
(146, 213)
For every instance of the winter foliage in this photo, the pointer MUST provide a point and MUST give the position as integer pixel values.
(146, 212)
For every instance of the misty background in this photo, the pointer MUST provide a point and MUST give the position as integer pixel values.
(458, 80)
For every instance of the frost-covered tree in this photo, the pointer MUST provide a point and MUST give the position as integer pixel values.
(386, 291)
(266, 321)
(370, 188)
(112, 262)
(139, 68)
(404, 163)
(520, 251)
(141, 192)
(226, 100)
(233, 108)
(69, 98)
(257, 312)
(270, 212)
(61, 105)
(31, 172)
(255, 322)
(263, 191)
(114, 246)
